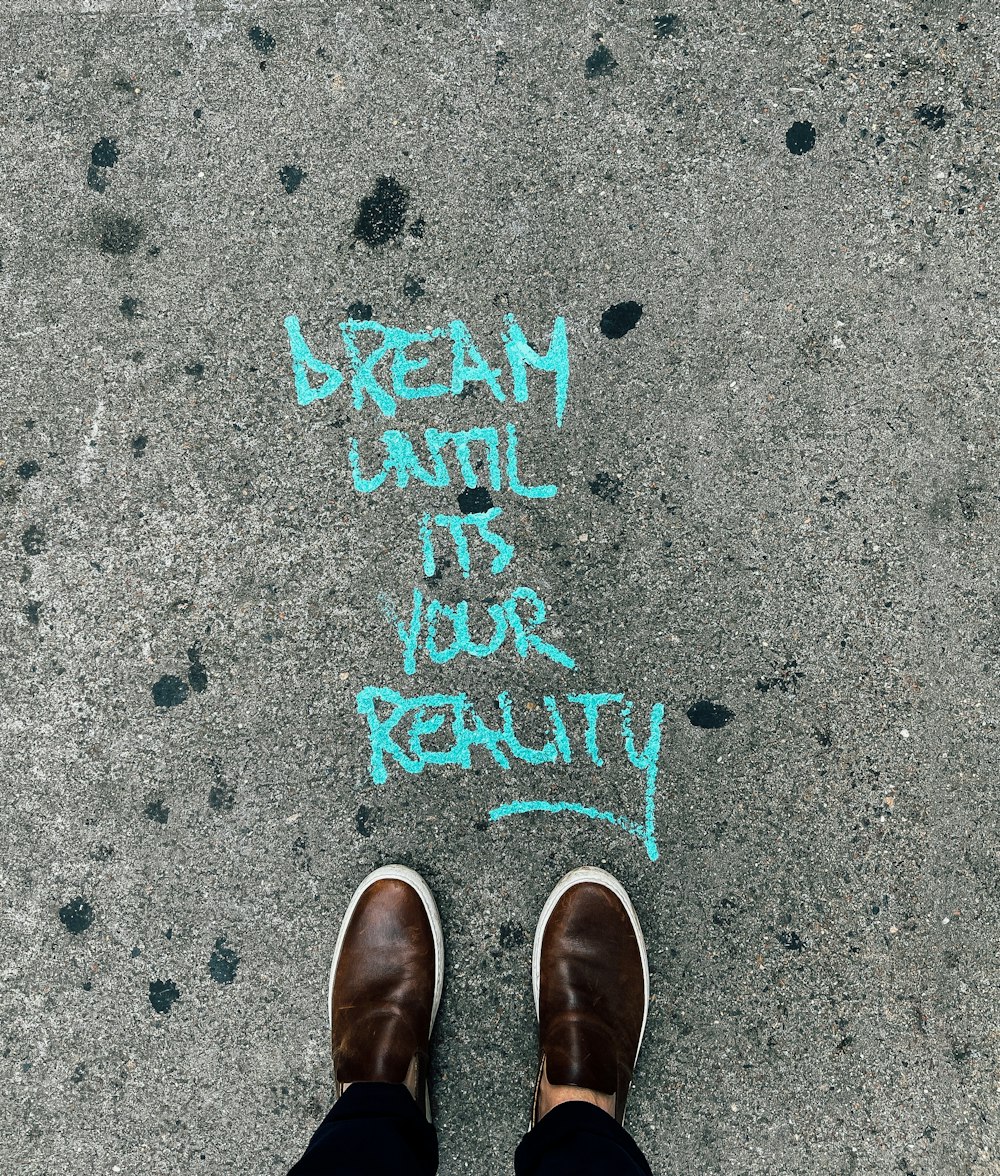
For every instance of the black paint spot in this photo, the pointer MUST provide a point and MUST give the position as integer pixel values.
(139, 445)
(220, 797)
(121, 235)
(413, 287)
(666, 25)
(360, 312)
(725, 913)
(33, 540)
(157, 811)
(418, 227)
(600, 63)
(198, 112)
(97, 181)
(104, 153)
(800, 137)
(31, 612)
(291, 176)
(785, 678)
(261, 40)
(28, 469)
(933, 117)
(362, 820)
(619, 319)
(790, 940)
(195, 370)
(197, 674)
(705, 713)
(129, 307)
(170, 691)
(606, 486)
(163, 994)
(382, 215)
(475, 500)
(223, 963)
(511, 935)
(77, 915)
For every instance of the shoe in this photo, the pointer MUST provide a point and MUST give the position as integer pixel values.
(386, 982)
(591, 980)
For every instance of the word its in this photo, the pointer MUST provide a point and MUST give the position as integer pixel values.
(456, 526)
(401, 459)
(391, 344)
(401, 728)
(505, 619)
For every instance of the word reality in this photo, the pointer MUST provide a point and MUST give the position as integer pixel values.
(407, 732)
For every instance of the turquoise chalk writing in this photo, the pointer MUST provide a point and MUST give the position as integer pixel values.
(457, 526)
(444, 632)
(646, 760)
(304, 362)
(465, 446)
(370, 347)
(385, 367)
(645, 832)
(400, 728)
(521, 356)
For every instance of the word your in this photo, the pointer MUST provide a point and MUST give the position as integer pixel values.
(401, 459)
(425, 622)
(369, 345)
(408, 732)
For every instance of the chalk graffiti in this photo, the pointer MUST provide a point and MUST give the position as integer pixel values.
(456, 526)
(392, 344)
(413, 733)
(401, 459)
(425, 629)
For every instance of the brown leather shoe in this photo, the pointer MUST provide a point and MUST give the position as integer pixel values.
(386, 981)
(591, 982)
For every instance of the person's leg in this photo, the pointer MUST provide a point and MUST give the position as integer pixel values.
(374, 1129)
(578, 1139)
(385, 988)
(591, 983)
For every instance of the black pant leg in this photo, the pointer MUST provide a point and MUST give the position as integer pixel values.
(374, 1129)
(578, 1139)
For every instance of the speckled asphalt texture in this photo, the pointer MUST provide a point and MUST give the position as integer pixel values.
(778, 514)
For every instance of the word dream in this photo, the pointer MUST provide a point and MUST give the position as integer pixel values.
(413, 732)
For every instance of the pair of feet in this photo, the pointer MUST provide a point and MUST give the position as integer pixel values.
(589, 973)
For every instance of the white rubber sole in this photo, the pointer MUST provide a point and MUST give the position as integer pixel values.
(412, 879)
(609, 882)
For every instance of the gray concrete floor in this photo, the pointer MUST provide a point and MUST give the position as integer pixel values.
(786, 473)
